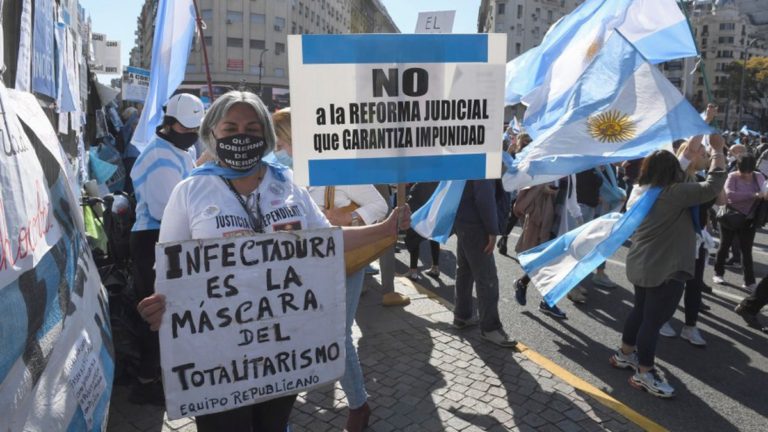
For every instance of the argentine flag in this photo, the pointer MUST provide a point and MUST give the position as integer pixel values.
(747, 131)
(621, 108)
(434, 220)
(657, 28)
(175, 25)
(559, 265)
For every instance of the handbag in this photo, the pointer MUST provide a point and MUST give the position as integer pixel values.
(758, 213)
(730, 218)
(356, 259)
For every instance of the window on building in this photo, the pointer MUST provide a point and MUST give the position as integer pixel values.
(207, 15)
(234, 17)
(293, 27)
(279, 72)
(279, 24)
(550, 16)
(701, 81)
(209, 41)
(257, 44)
(279, 48)
(705, 30)
(257, 18)
(517, 48)
(725, 39)
(703, 42)
(519, 11)
(234, 42)
(256, 70)
(500, 7)
(727, 26)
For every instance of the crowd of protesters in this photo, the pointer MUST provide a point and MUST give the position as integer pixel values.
(710, 207)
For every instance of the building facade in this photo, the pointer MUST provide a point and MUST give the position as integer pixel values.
(524, 21)
(725, 33)
(247, 40)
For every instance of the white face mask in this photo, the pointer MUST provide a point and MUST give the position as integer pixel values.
(284, 158)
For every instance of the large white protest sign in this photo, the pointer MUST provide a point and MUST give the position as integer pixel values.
(249, 319)
(399, 108)
(135, 84)
(106, 54)
(435, 22)
(56, 361)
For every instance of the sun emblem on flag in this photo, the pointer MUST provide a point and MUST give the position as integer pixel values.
(611, 126)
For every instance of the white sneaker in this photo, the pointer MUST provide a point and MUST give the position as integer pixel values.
(654, 382)
(693, 335)
(576, 296)
(498, 337)
(603, 280)
(751, 287)
(718, 280)
(624, 361)
(667, 331)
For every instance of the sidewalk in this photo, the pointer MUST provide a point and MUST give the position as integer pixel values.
(422, 375)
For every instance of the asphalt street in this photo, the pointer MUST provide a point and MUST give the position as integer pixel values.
(719, 388)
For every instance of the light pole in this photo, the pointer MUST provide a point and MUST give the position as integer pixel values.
(743, 75)
(261, 67)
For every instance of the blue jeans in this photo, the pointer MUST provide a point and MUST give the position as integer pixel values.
(352, 381)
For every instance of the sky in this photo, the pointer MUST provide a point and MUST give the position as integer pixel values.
(117, 19)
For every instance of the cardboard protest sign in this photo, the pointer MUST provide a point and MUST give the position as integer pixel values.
(249, 319)
(435, 22)
(135, 84)
(56, 361)
(395, 108)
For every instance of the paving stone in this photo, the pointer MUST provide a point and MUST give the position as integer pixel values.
(534, 420)
(569, 426)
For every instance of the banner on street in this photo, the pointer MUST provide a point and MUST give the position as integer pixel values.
(395, 108)
(249, 319)
(56, 363)
(135, 84)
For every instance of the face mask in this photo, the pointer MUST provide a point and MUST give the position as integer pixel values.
(181, 141)
(241, 152)
(284, 158)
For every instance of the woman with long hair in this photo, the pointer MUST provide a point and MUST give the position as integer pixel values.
(661, 259)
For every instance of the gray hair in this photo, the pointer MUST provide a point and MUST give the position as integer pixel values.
(221, 107)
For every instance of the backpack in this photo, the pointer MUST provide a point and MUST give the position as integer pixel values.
(503, 205)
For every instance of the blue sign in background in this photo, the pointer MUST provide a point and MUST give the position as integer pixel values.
(42, 49)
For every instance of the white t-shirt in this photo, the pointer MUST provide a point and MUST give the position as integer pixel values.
(373, 206)
(204, 207)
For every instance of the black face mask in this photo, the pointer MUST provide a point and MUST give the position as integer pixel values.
(241, 152)
(182, 141)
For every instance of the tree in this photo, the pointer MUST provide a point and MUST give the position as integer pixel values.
(755, 86)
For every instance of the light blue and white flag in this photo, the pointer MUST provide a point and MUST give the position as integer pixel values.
(175, 25)
(747, 131)
(516, 126)
(656, 27)
(621, 108)
(434, 220)
(559, 265)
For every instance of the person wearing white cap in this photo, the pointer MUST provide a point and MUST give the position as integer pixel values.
(159, 168)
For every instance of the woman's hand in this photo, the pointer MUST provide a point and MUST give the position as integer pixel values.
(399, 219)
(151, 310)
(338, 216)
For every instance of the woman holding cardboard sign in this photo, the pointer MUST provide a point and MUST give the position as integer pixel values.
(240, 194)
